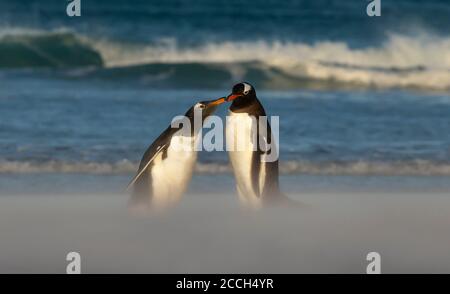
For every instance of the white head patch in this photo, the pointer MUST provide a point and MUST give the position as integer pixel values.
(247, 88)
(199, 105)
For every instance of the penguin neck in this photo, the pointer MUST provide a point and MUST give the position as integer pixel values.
(195, 127)
(242, 104)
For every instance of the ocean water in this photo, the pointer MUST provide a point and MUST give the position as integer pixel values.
(356, 96)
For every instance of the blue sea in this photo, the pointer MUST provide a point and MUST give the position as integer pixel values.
(360, 99)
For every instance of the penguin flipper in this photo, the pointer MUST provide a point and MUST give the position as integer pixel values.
(160, 144)
(145, 163)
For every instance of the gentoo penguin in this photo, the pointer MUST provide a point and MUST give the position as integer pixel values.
(166, 167)
(256, 178)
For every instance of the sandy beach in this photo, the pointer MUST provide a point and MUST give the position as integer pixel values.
(210, 233)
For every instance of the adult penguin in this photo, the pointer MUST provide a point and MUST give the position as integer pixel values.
(254, 164)
(167, 165)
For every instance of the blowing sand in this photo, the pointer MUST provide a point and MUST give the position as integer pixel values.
(209, 233)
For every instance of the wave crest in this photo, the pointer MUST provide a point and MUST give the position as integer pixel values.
(54, 50)
(400, 61)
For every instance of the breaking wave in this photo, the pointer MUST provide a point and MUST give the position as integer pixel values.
(400, 61)
(125, 167)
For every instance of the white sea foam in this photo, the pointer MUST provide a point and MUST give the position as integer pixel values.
(125, 167)
(401, 61)
(25, 167)
(422, 61)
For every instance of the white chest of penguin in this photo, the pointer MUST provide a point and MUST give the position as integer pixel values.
(241, 136)
(241, 132)
(171, 173)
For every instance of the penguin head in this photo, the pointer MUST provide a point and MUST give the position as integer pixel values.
(207, 108)
(242, 92)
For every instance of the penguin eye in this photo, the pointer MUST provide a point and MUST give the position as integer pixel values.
(246, 92)
(201, 106)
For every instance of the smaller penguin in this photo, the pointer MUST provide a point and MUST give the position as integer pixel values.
(167, 165)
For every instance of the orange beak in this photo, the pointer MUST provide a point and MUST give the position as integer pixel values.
(217, 101)
(231, 97)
